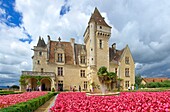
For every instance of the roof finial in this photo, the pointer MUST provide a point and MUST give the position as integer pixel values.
(59, 39)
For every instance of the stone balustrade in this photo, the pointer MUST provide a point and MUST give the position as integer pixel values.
(34, 73)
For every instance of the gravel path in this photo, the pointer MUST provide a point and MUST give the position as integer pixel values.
(46, 106)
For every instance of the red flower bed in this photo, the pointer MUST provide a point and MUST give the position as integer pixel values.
(126, 102)
(8, 100)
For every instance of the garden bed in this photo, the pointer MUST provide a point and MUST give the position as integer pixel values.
(26, 102)
(126, 101)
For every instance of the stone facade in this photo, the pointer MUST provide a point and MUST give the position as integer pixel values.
(75, 65)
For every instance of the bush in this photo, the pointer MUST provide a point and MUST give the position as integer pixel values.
(53, 90)
(142, 86)
(9, 92)
(158, 84)
(30, 105)
(152, 85)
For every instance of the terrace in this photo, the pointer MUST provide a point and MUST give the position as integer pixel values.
(35, 73)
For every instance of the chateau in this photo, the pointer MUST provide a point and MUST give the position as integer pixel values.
(68, 64)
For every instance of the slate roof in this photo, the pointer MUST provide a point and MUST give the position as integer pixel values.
(115, 55)
(67, 49)
(41, 42)
(77, 49)
(96, 16)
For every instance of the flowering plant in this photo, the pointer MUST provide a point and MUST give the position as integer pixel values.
(127, 101)
(8, 100)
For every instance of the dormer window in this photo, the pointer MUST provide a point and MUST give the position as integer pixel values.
(100, 44)
(127, 60)
(60, 57)
(82, 59)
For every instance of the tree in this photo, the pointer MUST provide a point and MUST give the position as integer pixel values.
(112, 76)
(138, 79)
(105, 76)
(14, 87)
(102, 73)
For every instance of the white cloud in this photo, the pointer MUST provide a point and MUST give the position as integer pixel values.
(168, 70)
(13, 53)
(5, 76)
(2, 11)
(143, 25)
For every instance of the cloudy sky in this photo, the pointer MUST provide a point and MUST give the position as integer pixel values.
(142, 24)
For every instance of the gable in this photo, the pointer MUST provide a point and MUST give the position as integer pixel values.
(127, 53)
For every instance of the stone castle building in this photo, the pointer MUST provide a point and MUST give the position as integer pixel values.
(69, 64)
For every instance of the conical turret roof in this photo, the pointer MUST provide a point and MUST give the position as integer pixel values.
(96, 17)
(41, 43)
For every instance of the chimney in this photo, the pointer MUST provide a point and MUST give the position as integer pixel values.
(48, 37)
(72, 41)
(114, 45)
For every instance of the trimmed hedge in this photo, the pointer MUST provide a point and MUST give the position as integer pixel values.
(30, 105)
(158, 84)
(9, 92)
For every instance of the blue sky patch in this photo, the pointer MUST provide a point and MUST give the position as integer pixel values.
(29, 39)
(10, 16)
(64, 9)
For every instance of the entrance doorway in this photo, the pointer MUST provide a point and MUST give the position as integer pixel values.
(43, 87)
(45, 84)
(60, 85)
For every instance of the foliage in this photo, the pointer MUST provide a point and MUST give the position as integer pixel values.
(12, 99)
(105, 76)
(53, 90)
(38, 83)
(24, 77)
(112, 75)
(102, 71)
(142, 86)
(14, 87)
(30, 105)
(138, 79)
(119, 79)
(8, 92)
(158, 84)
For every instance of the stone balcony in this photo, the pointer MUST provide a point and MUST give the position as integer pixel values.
(34, 73)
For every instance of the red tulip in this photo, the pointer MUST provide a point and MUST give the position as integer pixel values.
(127, 101)
(8, 100)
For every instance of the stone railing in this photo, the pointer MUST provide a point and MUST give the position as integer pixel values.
(34, 73)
